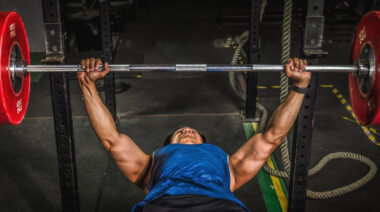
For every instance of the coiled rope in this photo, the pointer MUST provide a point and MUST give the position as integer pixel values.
(242, 40)
(286, 40)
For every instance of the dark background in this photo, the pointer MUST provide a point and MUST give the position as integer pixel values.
(151, 105)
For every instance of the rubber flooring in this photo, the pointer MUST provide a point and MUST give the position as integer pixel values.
(154, 104)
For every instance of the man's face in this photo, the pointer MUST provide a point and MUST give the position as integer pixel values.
(186, 135)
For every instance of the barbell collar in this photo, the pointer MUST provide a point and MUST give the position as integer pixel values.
(364, 69)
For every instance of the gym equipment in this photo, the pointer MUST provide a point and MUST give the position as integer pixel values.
(16, 69)
(365, 91)
(14, 48)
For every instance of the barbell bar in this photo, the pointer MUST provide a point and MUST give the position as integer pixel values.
(364, 71)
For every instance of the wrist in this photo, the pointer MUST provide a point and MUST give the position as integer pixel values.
(297, 89)
(301, 84)
(90, 95)
(88, 88)
(86, 83)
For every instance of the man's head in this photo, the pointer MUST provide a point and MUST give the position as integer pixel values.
(185, 135)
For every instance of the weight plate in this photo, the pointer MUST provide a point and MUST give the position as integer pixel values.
(14, 50)
(364, 92)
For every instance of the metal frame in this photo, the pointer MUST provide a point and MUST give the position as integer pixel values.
(253, 58)
(109, 80)
(304, 126)
(59, 85)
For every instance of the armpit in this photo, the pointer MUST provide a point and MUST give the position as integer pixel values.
(144, 178)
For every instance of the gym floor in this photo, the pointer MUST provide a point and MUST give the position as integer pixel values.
(150, 106)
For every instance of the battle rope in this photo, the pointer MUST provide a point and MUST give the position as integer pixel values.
(332, 156)
(286, 38)
(242, 40)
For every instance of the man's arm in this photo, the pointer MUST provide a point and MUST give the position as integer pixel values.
(248, 160)
(132, 161)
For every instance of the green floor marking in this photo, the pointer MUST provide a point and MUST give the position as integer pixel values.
(284, 188)
(267, 189)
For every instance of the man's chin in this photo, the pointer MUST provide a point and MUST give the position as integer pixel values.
(187, 141)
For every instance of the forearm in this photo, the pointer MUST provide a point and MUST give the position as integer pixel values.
(283, 118)
(99, 116)
(248, 160)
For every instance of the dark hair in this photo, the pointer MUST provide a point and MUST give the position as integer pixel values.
(169, 137)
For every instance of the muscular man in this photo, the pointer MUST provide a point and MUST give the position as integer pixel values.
(189, 174)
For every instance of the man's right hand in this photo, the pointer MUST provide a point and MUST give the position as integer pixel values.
(294, 70)
(91, 72)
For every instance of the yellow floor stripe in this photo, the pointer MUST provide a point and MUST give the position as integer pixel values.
(348, 107)
(373, 130)
(275, 180)
(327, 86)
(261, 87)
(278, 188)
(255, 126)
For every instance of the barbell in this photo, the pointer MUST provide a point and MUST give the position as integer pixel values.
(364, 76)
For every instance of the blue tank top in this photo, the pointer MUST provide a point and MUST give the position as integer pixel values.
(181, 169)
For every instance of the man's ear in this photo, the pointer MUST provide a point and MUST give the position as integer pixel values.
(167, 139)
(204, 139)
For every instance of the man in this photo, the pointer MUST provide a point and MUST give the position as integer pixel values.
(190, 174)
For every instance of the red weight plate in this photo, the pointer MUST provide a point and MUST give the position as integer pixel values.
(13, 98)
(366, 102)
